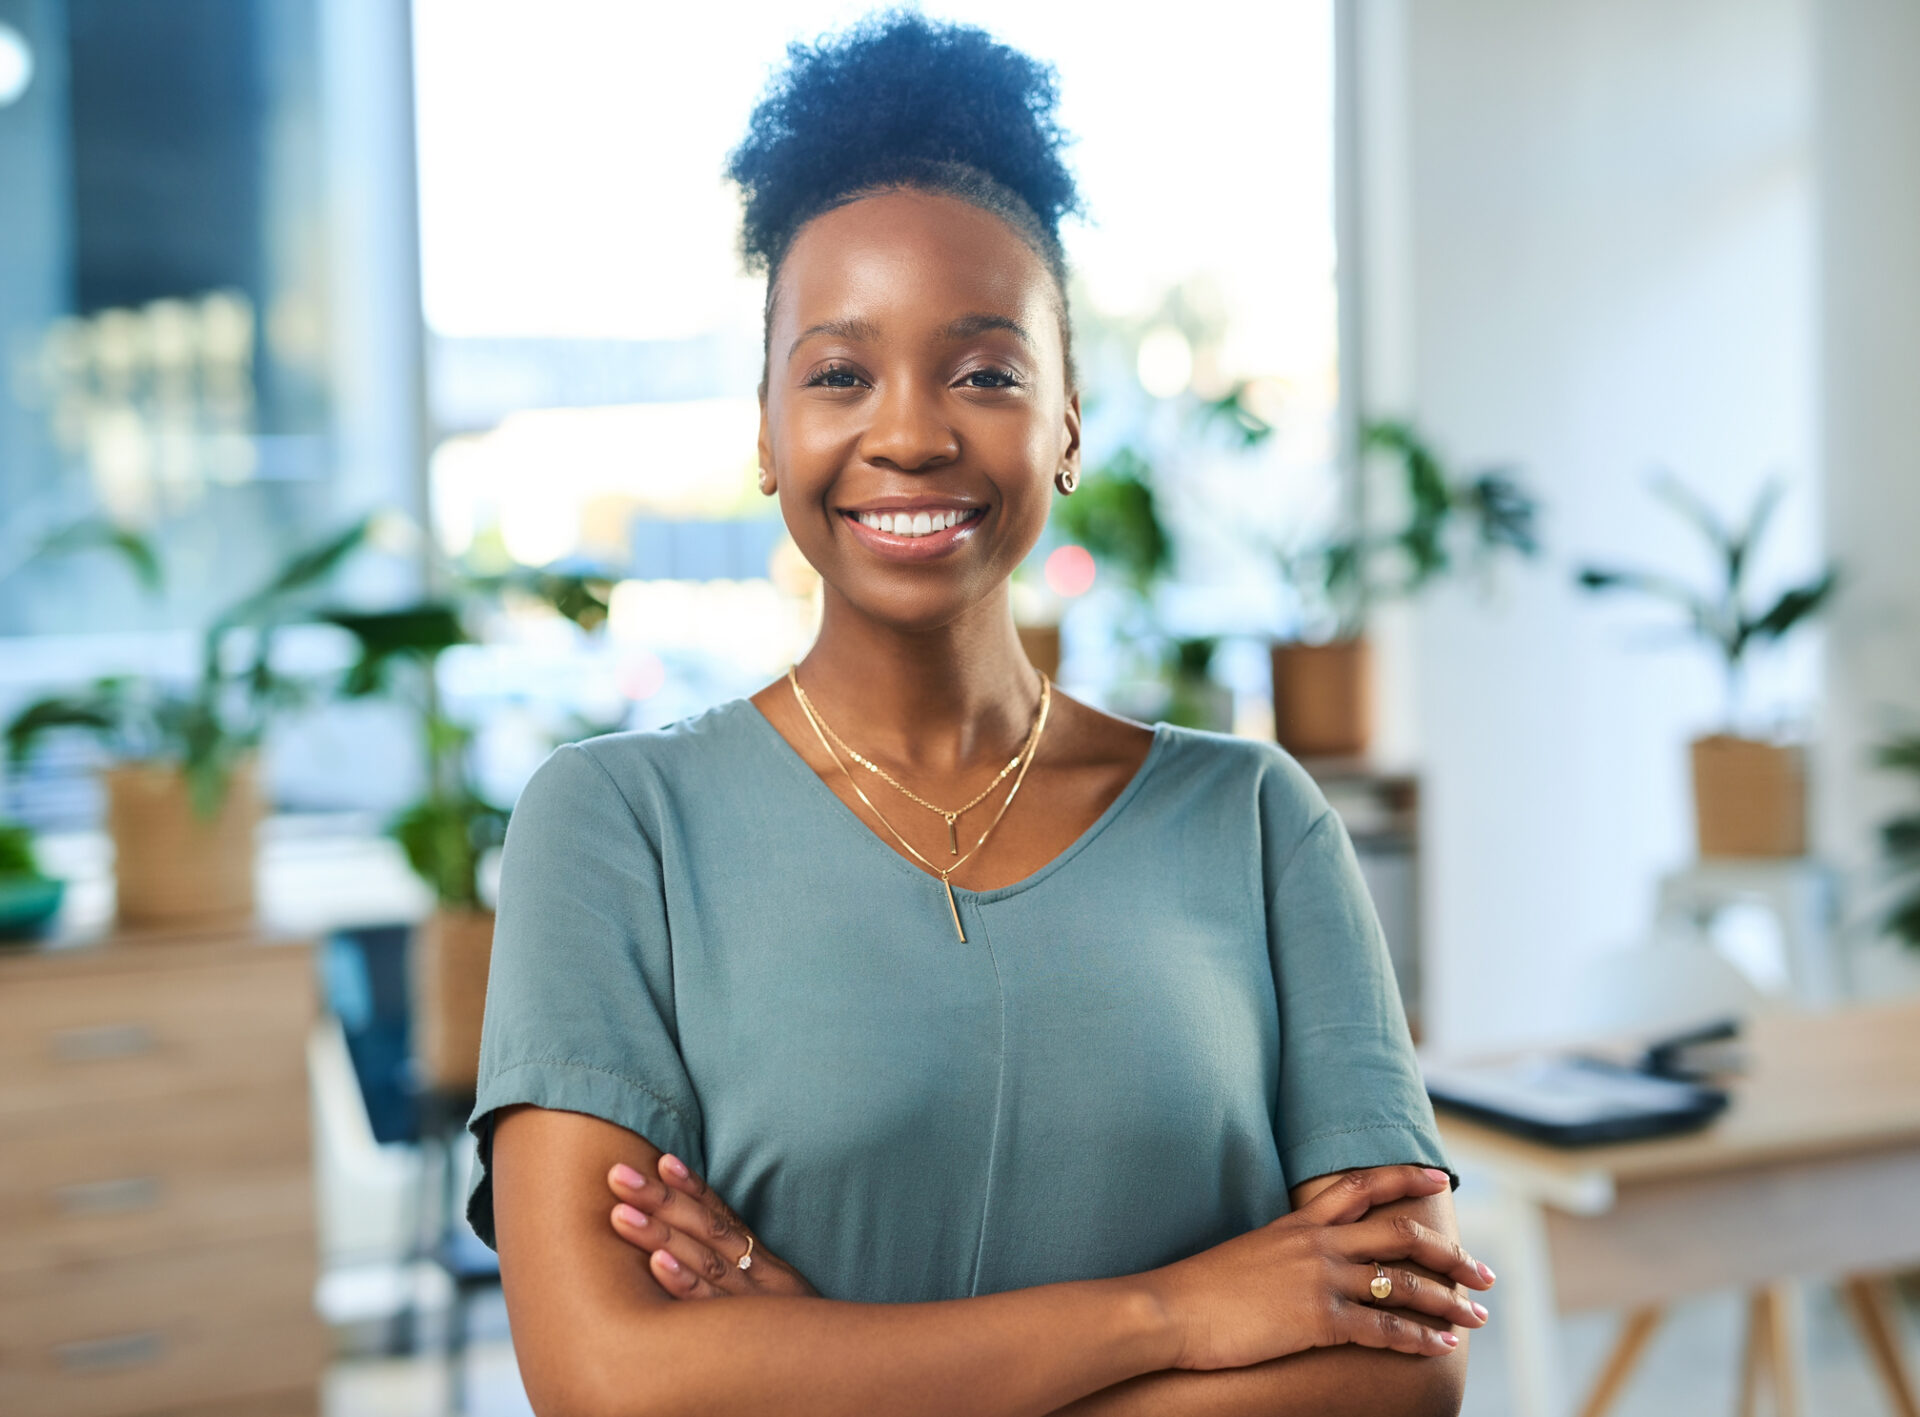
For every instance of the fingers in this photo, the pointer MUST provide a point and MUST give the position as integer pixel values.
(1357, 1192)
(1412, 1290)
(1401, 1237)
(1383, 1328)
(677, 1214)
(680, 1281)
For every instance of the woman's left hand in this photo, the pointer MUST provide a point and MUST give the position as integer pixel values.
(693, 1239)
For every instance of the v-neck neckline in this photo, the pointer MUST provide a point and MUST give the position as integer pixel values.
(791, 755)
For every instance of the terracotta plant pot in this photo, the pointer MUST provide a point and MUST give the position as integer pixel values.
(174, 869)
(451, 952)
(1042, 644)
(1749, 798)
(1323, 698)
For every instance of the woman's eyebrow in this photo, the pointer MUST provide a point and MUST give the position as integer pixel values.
(853, 329)
(967, 326)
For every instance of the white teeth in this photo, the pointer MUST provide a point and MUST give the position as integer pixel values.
(914, 524)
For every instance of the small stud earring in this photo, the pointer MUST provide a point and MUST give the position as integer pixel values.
(1066, 480)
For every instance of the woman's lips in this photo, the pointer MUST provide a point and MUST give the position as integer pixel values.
(894, 547)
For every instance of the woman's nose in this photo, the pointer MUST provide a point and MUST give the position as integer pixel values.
(909, 432)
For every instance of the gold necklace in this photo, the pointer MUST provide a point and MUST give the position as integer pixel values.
(953, 817)
(1025, 759)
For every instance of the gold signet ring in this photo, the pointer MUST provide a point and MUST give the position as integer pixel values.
(746, 1260)
(1382, 1286)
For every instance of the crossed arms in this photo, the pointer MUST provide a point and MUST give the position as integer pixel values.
(597, 1336)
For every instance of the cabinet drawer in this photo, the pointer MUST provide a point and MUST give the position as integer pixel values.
(164, 1332)
(95, 1035)
(122, 1182)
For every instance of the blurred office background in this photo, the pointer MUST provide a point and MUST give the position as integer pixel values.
(379, 413)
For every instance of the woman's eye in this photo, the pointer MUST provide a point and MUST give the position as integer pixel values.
(990, 379)
(834, 376)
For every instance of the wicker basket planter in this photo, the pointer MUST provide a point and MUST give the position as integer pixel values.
(1749, 798)
(1042, 644)
(1323, 698)
(451, 953)
(173, 868)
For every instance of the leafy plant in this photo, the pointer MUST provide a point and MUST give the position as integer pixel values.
(1474, 517)
(1900, 840)
(447, 832)
(1113, 515)
(1720, 615)
(17, 857)
(206, 728)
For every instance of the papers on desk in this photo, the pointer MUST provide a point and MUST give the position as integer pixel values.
(1572, 1101)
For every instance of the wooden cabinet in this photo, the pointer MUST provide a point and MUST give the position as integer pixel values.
(157, 1244)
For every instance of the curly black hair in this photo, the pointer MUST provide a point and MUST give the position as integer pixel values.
(899, 101)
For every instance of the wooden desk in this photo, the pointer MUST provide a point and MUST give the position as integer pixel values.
(1812, 1172)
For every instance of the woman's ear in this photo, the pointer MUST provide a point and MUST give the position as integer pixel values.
(769, 483)
(1070, 458)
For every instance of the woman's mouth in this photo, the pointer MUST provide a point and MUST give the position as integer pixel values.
(915, 535)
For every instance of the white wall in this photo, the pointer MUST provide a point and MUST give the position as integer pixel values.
(1867, 104)
(1602, 223)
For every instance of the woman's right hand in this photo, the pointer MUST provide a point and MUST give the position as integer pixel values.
(1304, 1280)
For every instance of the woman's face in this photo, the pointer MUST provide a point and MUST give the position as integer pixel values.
(915, 378)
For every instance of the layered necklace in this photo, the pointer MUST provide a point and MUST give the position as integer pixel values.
(1021, 760)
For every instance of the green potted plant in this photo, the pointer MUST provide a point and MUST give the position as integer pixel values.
(1749, 794)
(1900, 842)
(183, 800)
(29, 898)
(1323, 679)
(448, 832)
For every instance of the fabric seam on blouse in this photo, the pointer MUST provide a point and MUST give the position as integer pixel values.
(634, 1083)
(1349, 1132)
(1318, 822)
(999, 1103)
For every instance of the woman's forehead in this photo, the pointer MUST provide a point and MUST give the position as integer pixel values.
(910, 262)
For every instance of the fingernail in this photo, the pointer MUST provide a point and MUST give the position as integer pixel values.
(1433, 1175)
(674, 1167)
(667, 1259)
(1452, 1340)
(630, 1215)
(1486, 1274)
(630, 1178)
(1481, 1310)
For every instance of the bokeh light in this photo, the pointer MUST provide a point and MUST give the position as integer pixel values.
(1070, 571)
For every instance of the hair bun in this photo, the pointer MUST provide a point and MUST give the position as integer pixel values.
(885, 101)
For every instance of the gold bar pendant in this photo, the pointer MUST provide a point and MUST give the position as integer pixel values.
(953, 836)
(954, 907)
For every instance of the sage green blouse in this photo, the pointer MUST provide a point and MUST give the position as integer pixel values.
(1137, 1051)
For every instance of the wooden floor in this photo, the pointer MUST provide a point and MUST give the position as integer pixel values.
(1691, 1367)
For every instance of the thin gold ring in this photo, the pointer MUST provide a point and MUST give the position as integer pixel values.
(1382, 1286)
(746, 1260)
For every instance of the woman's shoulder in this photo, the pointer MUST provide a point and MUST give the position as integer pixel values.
(1240, 774)
(640, 765)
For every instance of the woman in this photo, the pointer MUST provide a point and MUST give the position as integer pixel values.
(1008, 1057)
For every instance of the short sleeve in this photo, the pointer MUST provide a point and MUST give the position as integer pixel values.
(1350, 1090)
(580, 1009)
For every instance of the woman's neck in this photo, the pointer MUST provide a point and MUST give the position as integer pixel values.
(939, 701)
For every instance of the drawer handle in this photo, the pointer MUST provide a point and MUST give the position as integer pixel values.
(98, 1355)
(103, 1042)
(108, 1197)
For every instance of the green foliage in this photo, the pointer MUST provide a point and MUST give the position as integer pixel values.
(1900, 842)
(1113, 515)
(1720, 615)
(17, 858)
(208, 728)
(447, 833)
(1489, 510)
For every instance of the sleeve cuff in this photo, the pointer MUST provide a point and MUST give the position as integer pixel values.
(1358, 1148)
(570, 1087)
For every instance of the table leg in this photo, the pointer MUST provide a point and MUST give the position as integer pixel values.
(1756, 1358)
(1786, 1339)
(1879, 1324)
(1635, 1334)
(1523, 1301)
